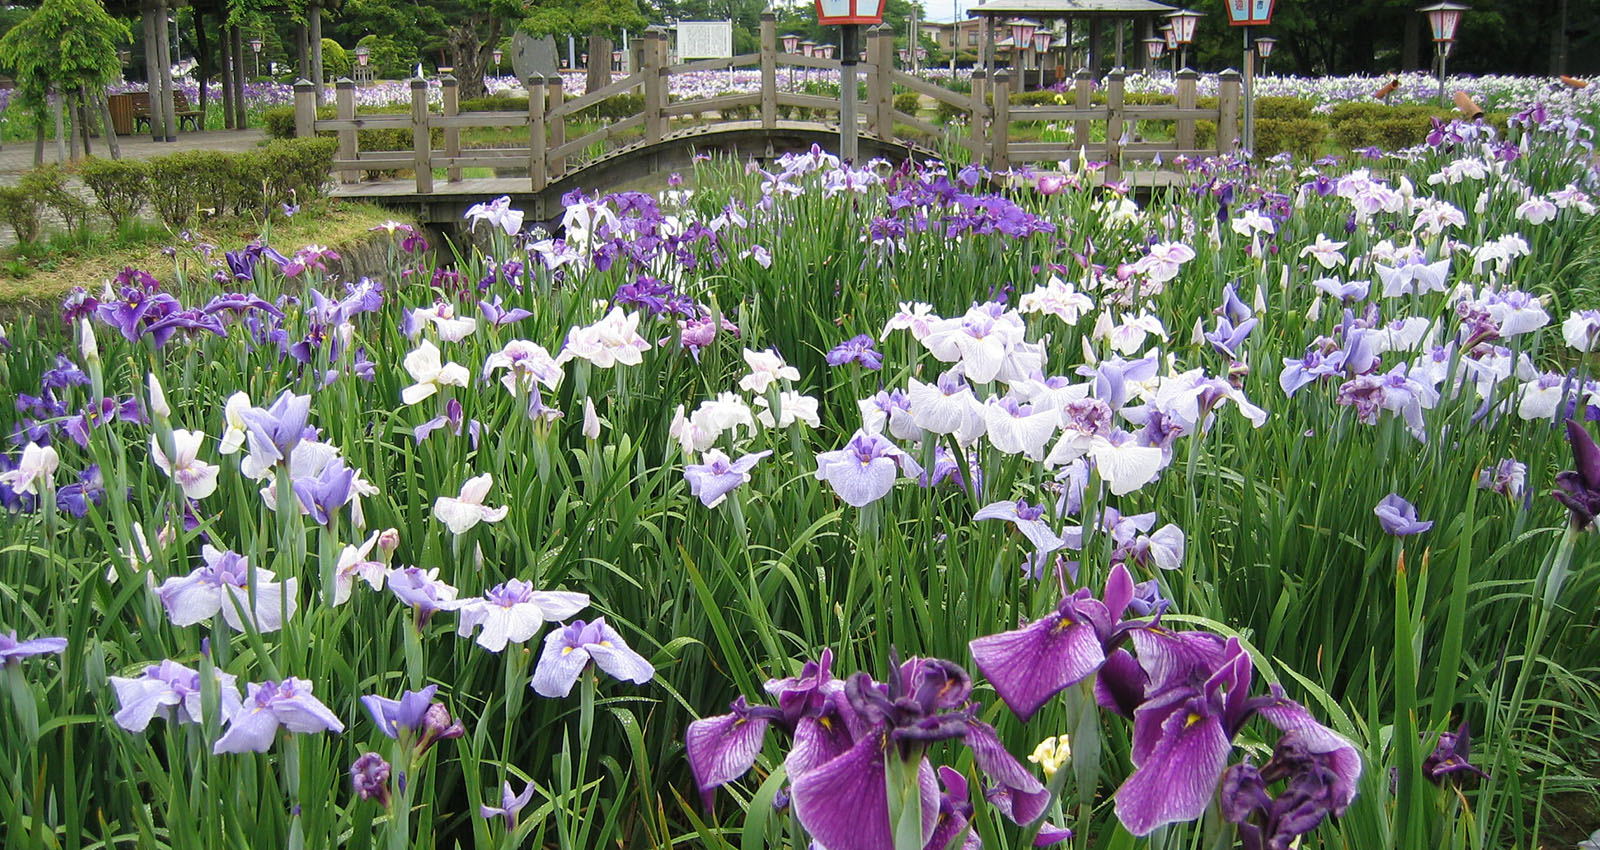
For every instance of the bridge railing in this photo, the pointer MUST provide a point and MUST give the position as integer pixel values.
(549, 154)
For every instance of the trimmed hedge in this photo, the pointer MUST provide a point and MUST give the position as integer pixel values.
(177, 187)
(279, 123)
(1302, 137)
(908, 102)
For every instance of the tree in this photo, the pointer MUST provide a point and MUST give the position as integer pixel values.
(603, 20)
(66, 46)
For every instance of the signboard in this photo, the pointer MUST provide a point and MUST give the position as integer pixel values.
(705, 40)
(1250, 13)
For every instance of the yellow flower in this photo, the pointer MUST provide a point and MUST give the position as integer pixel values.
(1051, 755)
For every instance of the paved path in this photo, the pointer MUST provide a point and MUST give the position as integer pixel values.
(17, 157)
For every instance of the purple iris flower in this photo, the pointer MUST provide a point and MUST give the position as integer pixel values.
(269, 705)
(568, 651)
(713, 480)
(511, 804)
(1312, 790)
(1227, 337)
(848, 735)
(1183, 735)
(1315, 365)
(369, 776)
(12, 651)
(495, 315)
(324, 494)
(1399, 517)
(422, 590)
(865, 469)
(135, 309)
(1579, 488)
(89, 489)
(1028, 519)
(857, 349)
(402, 716)
(237, 304)
(171, 689)
(1449, 757)
(1029, 666)
(273, 432)
(191, 322)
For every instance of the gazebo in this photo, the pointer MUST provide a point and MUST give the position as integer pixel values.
(994, 16)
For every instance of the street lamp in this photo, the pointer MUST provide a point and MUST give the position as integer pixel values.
(1041, 44)
(1184, 22)
(1022, 31)
(849, 16)
(1443, 18)
(255, 44)
(791, 43)
(1171, 39)
(498, 54)
(1154, 48)
(1264, 46)
(363, 56)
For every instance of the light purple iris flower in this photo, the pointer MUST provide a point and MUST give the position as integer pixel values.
(514, 612)
(12, 651)
(402, 716)
(865, 469)
(369, 776)
(222, 585)
(269, 705)
(858, 349)
(323, 494)
(1028, 519)
(422, 590)
(274, 431)
(568, 651)
(171, 689)
(1399, 517)
(713, 480)
(1315, 365)
(511, 804)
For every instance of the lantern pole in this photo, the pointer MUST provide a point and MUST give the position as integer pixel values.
(1249, 93)
(850, 46)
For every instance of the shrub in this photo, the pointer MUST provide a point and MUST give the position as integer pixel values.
(48, 185)
(1362, 125)
(494, 103)
(1283, 109)
(182, 184)
(279, 123)
(20, 209)
(172, 195)
(908, 102)
(1302, 137)
(335, 61)
(120, 186)
(297, 168)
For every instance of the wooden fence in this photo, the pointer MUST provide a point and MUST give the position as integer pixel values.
(550, 155)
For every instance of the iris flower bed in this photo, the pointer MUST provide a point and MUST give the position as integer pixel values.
(848, 507)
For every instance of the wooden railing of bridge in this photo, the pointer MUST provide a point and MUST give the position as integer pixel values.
(549, 154)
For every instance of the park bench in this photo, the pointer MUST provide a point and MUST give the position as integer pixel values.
(180, 108)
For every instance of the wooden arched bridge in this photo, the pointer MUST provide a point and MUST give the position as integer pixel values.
(665, 134)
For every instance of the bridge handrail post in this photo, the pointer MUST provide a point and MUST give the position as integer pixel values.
(1114, 128)
(558, 124)
(1082, 83)
(1188, 82)
(1228, 89)
(538, 168)
(305, 109)
(999, 156)
(874, 128)
(978, 106)
(452, 135)
(653, 67)
(769, 69)
(421, 142)
(884, 101)
(345, 100)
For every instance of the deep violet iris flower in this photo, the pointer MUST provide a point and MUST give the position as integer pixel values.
(849, 735)
(858, 349)
(1579, 488)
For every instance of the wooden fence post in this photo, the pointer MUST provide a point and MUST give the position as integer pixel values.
(979, 120)
(654, 53)
(1228, 105)
(769, 69)
(1187, 81)
(1114, 129)
(452, 135)
(345, 103)
(999, 156)
(1082, 82)
(558, 123)
(884, 58)
(421, 142)
(305, 109)
(538, 168)
(873, 82)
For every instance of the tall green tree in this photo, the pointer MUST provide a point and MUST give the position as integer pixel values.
(65, 46)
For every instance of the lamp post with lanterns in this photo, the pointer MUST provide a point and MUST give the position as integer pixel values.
(1183, 24)
(498, 54)
(1154, 48)
(1022, 31)
(1443, 18)
(1041, 46)
(1247, 14)
(363, 56)
(791, 45)
(255, 45)
(1171, 39)
(849, 16)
